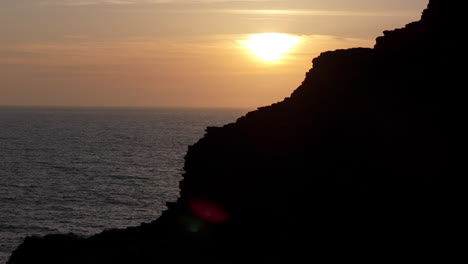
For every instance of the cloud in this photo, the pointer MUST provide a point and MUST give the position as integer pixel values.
(292, 12)
(264, 12)
(130, 2)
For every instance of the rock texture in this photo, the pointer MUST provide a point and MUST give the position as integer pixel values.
(354, 165)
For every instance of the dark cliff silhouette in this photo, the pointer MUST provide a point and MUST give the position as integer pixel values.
(354, 165)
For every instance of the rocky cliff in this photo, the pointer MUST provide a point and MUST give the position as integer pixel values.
(353, 165)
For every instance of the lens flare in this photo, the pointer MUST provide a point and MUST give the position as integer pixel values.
(208, 211)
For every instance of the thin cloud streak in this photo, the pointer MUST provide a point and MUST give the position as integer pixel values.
(132, 2)
(286, 12)
(265, 12)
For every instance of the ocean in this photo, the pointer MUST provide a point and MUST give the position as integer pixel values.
(83, 170)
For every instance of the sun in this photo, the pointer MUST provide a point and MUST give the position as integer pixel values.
(270, 46)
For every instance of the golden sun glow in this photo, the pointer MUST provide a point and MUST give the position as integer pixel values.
(270, 46)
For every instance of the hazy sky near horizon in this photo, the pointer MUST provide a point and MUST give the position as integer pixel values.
(189, 53)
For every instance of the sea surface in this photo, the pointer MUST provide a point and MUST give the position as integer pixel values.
(83, 170)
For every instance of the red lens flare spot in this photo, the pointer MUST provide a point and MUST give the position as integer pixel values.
(208, 211)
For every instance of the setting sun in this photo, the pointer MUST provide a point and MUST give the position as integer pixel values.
(270, 46)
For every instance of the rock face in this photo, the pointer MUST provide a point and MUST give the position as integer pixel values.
(353, 165)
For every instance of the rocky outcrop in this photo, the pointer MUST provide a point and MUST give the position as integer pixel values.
(353, 165)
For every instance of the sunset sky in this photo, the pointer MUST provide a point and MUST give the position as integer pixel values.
(177, 53)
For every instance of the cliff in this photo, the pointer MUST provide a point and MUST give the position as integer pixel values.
(353, 165)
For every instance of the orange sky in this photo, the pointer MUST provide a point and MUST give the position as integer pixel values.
(179, 53)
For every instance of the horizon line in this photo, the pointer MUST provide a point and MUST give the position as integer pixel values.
(123, 107)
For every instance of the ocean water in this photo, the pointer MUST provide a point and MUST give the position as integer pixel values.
(83, 170)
